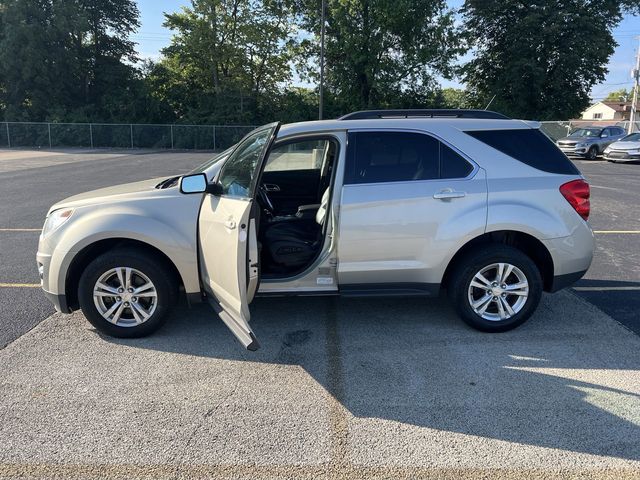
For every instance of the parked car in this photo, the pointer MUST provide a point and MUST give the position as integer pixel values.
(626, 149)
(590, 142)
(375, 203)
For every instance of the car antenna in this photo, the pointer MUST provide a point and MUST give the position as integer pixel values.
(490, 102)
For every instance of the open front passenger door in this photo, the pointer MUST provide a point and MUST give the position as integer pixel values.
(228, 251)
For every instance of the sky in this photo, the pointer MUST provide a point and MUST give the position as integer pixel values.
(152, 37)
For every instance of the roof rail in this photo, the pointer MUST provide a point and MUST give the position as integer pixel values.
(426, 113)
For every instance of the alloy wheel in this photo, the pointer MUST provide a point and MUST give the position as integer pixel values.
(125, 296)
(498, 291)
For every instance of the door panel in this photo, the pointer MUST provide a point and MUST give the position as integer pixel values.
(406, 232)
(228, 246)
(225, 231)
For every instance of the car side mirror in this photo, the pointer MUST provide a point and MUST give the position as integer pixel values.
(196, 183)
(604, 135)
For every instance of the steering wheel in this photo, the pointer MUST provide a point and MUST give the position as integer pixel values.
(266, 201)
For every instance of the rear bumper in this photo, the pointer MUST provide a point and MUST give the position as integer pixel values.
(564, 281)
(571, 256)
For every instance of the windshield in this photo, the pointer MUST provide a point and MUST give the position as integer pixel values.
(587, 132)
(633, 137)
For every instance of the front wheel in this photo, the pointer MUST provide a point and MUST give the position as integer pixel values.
(592, 153)
(126, 293)
(495, 289)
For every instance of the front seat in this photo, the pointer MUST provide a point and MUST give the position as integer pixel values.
(294, 243)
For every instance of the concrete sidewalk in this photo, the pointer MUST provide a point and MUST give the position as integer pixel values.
(342, 388)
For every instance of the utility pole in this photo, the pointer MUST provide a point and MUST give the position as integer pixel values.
(322, 22)
(636, 81)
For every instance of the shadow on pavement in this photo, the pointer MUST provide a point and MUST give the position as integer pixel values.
(409, 360)
(618, 299)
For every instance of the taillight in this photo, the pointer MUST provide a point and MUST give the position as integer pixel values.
(577, 194)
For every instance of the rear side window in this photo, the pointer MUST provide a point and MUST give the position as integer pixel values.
(452, 164)
(529, 146)
(379, 157)
(392, 157)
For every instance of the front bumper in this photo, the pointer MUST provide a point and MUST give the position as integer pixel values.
(619, 156)
(574, 151)
(59, 302)
(49, 286)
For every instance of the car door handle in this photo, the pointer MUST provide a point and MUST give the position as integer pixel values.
(230, 224)
(447, 194)
(271, 187)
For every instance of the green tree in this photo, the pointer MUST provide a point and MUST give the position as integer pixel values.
(380, 53)
(26, 68)
(67, 59)
(540, 58)
(453, 98)
(227, 58)
(622, 95)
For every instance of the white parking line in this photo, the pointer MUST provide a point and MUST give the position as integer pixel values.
(607, 289)
(604, 188)
(20, 229)
(19, 285)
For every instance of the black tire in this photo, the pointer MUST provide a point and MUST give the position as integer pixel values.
(592, 153)
(151, 266)
(472, 263)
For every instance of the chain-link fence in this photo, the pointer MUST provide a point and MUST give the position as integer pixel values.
(184, 137)
(110, 135)
(559, 129)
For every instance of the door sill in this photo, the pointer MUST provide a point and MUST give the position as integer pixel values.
(390, 289)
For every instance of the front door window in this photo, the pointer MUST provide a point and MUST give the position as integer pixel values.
(239, 172)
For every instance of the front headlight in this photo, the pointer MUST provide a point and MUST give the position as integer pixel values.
(607, 150)
(55, 220)
(581, 145)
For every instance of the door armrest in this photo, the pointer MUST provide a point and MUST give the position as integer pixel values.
(307, 211)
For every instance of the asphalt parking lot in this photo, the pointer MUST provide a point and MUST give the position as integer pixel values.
(342, 388)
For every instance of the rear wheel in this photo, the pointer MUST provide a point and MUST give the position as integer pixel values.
(127, 293)
(495, 289)
(592, 153)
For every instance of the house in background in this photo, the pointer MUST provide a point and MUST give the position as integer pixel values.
(619, 111)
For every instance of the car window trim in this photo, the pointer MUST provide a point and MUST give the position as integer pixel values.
(474, 165)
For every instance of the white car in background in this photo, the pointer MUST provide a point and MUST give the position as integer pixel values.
(626, 149)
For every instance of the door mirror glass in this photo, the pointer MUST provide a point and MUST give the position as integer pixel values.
(196, 183)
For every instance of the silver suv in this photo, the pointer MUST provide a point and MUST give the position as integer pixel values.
(377, 202)
(590, 142)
